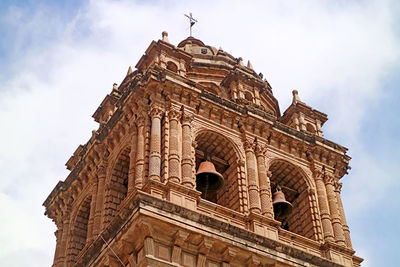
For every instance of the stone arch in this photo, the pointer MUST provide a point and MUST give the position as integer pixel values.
(79, 229)
(223, 152)
(296, 186)
(117, 184)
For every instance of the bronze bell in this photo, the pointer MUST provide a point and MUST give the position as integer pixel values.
(282, 207)
(208, 180)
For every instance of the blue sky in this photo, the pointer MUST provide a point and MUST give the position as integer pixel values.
(58, 59)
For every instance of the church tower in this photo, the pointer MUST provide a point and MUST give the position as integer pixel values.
(193, 164)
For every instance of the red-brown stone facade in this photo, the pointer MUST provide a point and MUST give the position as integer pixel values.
(131, 198)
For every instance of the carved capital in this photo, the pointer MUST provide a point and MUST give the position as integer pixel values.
(329, 179)
(260, 150)
(174, 115)
(187, 117)
(140, 121)
(318, 173)
(180, 237)
(338, 187)
(248, 145)
(156, 112)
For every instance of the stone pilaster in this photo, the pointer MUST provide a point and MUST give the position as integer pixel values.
(65, 234)
(323, 206)
(187, 164)
(174, 159)
(90, 232)
(101, 177)
(132, 160)
(346, 230)
(333, 207)
(251, 164)
(265, 186)
(139, 168)
(57, 254)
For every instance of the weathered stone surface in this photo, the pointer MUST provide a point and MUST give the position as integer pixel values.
(131, 196)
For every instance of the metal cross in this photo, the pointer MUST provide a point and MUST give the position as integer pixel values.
(192, 21)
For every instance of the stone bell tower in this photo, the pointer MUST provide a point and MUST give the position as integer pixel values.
(194, 165)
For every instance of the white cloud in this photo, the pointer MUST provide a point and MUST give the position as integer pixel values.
(336, 55)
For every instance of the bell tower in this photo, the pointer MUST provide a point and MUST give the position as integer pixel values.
(193, 164)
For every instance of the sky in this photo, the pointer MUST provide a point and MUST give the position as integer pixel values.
(58, 60)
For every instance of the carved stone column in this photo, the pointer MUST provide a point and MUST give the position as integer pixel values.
(323, 206)
(254, 196)
(346, 230)
(139, 170)
(188, 179)
(90, 232)
(333, 207)
(132, 160)
(265, 186)
(65, 233)
(156, 114)
(101, 177)
(174, 159)
(57, 254)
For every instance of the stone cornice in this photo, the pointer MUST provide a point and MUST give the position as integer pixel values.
(140, 200)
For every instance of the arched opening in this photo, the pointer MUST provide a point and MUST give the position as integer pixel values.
(79, 229)
(117, 188)
(172, 66)
(219, 150)
(248, 96)
(310, 128)
(302, 220)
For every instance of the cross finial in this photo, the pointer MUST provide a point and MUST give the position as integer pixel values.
(192, 21)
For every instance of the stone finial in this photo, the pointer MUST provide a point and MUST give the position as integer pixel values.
(115, 86)
(249, 65)
(240, 61)
(296, 97)
(129, 71)
(165, 36)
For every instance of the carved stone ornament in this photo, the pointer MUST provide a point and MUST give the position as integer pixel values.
(329, 178)
(174, 114)
(156, 112)
(187, 117)
(248, 145)
(338, 186)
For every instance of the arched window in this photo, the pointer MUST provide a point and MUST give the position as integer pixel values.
(310, 128)
(172, 66)
(303, 219)
(117, 187)
(248, 96)
(216, 148)
(79, 230)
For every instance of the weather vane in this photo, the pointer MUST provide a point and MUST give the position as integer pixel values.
(192, 21)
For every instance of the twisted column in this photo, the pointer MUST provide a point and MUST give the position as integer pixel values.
(333, 207)
(174, 160)
(265, 186)
(139, 169)
(251, 164)
(187, 164)
(323, 206)
(156, 114)
(346, 230)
